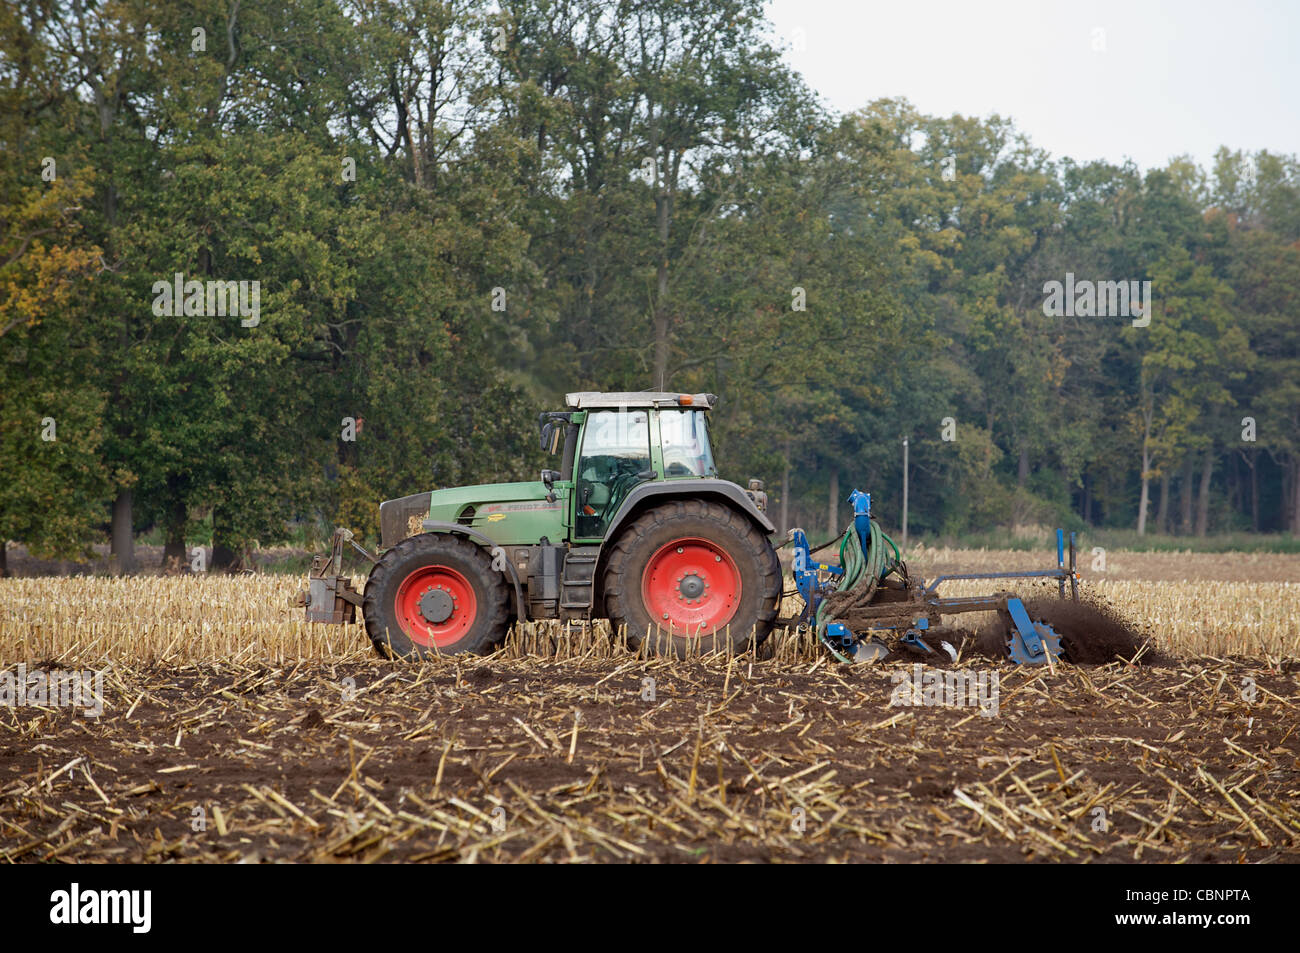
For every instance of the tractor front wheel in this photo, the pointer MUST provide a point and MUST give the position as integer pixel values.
(693, 576)
(435, 594)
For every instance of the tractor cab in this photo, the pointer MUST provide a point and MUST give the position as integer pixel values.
(611, 443)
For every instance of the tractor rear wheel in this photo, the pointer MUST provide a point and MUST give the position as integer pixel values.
(692, 576)
(435, 594)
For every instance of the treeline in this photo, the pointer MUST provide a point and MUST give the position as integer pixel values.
(272, 263)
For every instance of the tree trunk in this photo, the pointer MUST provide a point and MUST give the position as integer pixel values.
(988, 447)
(1295, 496)
(1254, 491)
(1145, 502)
(1022, 471)
(663, 213)
(1284, 498)
(906, 487)
(1146, 491)
(122, 538)
(1186, 522)
(1162, 511)
(661, 336)
(224, 556)
(1234, 485)
(833, 515)
(174, 549)
(1203, 497)
(174, 546)
(785, 495)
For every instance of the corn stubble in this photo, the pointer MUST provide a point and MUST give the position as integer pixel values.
(295, 743)
(175, 619)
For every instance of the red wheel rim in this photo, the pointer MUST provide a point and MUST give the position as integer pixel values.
(691, 587)
(436, 606)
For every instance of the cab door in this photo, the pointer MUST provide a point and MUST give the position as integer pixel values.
(614, 458)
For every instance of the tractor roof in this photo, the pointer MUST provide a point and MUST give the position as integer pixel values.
(640, 398)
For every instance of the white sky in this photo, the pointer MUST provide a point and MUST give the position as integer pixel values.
(1174, 78)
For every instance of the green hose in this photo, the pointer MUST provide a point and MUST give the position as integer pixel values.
(863, 572)
(898, 557)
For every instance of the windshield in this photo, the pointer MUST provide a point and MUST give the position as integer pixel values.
(684, 435)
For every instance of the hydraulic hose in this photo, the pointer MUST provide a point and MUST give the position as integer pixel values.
(863, 573)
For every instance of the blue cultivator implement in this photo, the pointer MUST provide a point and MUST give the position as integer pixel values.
(869, 597)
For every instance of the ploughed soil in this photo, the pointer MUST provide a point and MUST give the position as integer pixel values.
(634, 760)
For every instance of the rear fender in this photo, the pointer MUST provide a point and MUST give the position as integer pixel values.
(661, 491)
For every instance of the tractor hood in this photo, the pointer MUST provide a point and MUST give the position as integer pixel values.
(447, 504)
(509, 513)
(485, 506)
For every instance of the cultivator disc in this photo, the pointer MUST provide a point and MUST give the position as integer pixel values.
(1024, 653)
(871, 650)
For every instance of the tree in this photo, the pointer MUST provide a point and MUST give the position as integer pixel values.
(1190, 353)
(50, 429)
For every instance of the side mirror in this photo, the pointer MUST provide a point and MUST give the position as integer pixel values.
(548, 478)
(553, 425)
(552, 437)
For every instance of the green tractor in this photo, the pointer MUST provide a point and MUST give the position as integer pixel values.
(634, 527)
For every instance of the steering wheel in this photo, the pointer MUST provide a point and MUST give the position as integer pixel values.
(615, 496)
(585, 489)
(619, 488)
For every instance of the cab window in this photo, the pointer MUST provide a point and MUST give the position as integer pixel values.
(685, 438)
(615, 452)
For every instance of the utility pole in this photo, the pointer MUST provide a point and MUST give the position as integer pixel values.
(904, 494)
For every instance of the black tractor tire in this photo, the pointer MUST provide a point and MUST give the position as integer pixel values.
(729, 550)
(474, 596)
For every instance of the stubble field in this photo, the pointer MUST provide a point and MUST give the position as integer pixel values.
(232, 731)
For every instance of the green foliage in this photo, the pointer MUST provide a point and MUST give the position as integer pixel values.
(456, 212)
